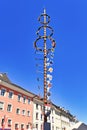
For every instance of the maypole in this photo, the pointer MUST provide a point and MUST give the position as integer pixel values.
(47, 49)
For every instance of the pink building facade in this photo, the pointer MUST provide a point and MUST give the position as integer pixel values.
(23, 110)
(16, 106)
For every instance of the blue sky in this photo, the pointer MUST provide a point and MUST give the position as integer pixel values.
(18, 26)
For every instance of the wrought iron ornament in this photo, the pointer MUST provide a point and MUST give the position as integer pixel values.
(45, 45)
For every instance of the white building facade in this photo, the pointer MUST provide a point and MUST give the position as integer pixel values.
(59, 119)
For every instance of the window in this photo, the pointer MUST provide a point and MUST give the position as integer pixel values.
(37, 106)
(37, 126)
(52, 119)
(2, 122)
(23, 112)
(28, 113)
(18, 111)
(52, 127)
(52, 111)
(16, 126)
(19, 98)
(57, 128)
(22, 126)
(3, 92)
(9, 122)
(9, 108)
(41, 117)
(24, 99)
(10, 94)
(36, 116)
(41, 127)
(63, 128)
(29, 101)
(28, 126)
(41, 107)
(1, 105)
(49, 117)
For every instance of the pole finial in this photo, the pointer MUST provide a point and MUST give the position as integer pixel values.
(44, 11)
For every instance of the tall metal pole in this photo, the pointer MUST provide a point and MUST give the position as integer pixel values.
(47, 50)
(45, 60)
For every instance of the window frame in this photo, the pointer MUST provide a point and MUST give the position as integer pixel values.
(3, 106)
(19, 97)
(52, 119)
(9, 123)
(18, 111)
(22, 126)
(28, 126)
(28, 113)
(16, 125)
(37, 116)
(9, 109)
(10, 96)
(37, 126)
(23, 112)
(41, 117)
(37, 106)
(24, 99)
(29, 101)
(3, 92)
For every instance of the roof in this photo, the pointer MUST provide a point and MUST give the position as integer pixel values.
(6, 80)
(79, 126)
(3, 77)
(65, 112)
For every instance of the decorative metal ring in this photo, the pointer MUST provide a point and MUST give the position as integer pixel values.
(46, 27)
(42, 37)
(42, 22)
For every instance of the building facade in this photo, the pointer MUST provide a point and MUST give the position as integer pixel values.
(58, 118)
(23, 110)
(38, 114)
(16, 106)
